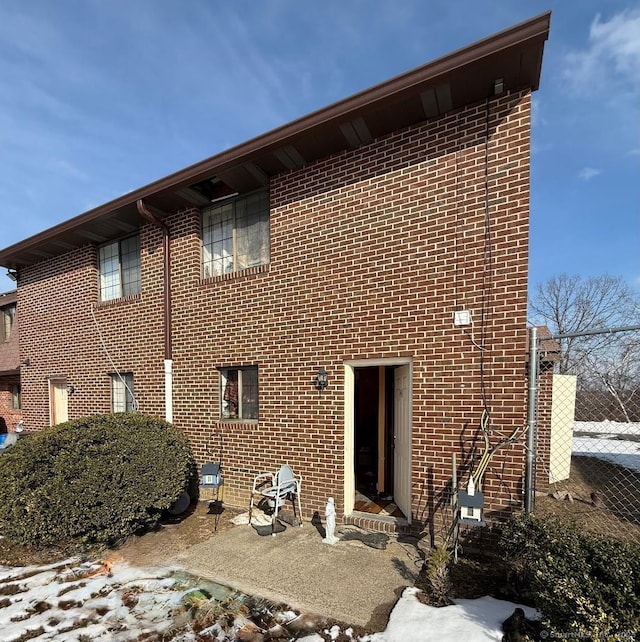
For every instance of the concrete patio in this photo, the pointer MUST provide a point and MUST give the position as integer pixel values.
(349, 581)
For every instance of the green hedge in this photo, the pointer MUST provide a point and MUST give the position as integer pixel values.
(96, 479)
(585, 586)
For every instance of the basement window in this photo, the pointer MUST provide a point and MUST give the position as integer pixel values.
(122, 399)
(235, 235)
(239, 393)
(119, 266)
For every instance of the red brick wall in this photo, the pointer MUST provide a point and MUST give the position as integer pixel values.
(372, 250)
(9, 416)
(62, 322)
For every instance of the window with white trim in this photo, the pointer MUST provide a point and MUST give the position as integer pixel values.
(235, 235)
(239, 393)
(119, 267)
(122, 399)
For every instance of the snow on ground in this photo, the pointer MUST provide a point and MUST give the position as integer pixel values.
(412, 621)
(67, 600)
(70, 601)
(469, 620)
(617, 451)
(607, 427)
(606, 442)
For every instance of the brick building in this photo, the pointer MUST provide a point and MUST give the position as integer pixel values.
(383, 240)
(10, 393)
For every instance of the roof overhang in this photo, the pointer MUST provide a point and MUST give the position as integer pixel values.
(7, 298)
(513, 56)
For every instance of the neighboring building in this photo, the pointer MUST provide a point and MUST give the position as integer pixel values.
(383, 239)
(10, 393)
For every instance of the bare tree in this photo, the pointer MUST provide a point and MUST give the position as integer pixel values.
(570, 304)
(607, 364)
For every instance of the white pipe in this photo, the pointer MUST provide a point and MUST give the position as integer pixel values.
(168, 390)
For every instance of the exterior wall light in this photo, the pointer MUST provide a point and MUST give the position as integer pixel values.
(321, 380)
(70, 389)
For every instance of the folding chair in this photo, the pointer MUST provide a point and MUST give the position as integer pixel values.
(275, 488)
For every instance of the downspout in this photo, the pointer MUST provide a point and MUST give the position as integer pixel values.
(168, 351)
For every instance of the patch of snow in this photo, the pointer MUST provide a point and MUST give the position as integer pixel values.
(607, 427)
(617, 451)
(469, 620)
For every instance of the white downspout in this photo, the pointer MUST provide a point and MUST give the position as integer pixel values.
(168, 390)
(168, 350)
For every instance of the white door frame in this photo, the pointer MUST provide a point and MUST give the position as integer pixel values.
(349, 421)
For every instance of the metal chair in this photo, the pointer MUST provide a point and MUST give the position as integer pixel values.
(275, 488)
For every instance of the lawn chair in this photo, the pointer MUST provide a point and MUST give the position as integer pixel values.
(275, 489)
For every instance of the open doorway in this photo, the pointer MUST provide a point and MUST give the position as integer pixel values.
(379, 433)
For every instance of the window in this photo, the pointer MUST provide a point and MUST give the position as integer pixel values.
(119, 265)
(239, 393)
(16, 397)
(235, 235)
(122, 399)
(8, 315)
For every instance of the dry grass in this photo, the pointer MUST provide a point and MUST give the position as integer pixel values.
(606, 499)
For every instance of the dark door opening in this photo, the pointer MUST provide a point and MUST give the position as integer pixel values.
(374, 440)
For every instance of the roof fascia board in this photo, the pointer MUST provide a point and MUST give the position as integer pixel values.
(534, 29)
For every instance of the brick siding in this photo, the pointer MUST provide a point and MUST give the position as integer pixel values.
(9, 416)
(372, 250)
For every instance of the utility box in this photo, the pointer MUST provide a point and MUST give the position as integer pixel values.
(471, 508)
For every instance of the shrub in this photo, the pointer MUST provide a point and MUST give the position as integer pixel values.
(438, 575)
(585, 586)
(96, 479)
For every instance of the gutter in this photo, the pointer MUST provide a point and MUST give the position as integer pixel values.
(533, 32)
(168, 348)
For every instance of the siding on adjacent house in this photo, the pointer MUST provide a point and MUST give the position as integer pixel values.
(372, 250)
(9, 367)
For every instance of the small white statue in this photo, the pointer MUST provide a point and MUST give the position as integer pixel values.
(330, 514)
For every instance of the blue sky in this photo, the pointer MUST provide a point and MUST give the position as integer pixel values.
(100, 98)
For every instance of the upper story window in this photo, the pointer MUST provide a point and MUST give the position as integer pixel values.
(235, 235)
(119, 266)
(7, 317)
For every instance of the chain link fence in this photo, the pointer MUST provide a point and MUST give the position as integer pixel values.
(588, 430)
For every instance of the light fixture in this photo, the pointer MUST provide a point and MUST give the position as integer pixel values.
(12, 274)
(498, 86)
(70, 389)
(321, 380)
